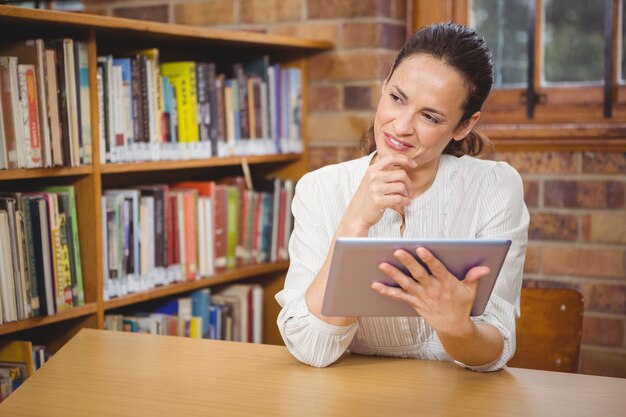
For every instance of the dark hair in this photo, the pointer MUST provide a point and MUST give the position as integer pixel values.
(464, 50)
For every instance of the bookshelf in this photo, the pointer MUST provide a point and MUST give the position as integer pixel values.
(107, 35)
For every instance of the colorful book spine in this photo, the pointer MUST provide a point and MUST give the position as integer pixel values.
(183, 78)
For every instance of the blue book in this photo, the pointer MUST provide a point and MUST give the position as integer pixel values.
(215, 322)
(200, 308)
(170, 308)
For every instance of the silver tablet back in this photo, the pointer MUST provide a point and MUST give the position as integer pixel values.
(354, 267)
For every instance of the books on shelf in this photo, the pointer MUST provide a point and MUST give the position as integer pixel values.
(45, 104)
(18, 361)
(152, 110)
(40, 272)
(234, 313)
(161, 234)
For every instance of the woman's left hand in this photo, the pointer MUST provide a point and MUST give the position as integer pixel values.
(441, 299)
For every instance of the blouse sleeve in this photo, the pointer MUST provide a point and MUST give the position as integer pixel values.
(505, 216)
(309, 339)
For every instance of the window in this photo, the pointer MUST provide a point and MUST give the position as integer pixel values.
(557, 50)
(567, 57)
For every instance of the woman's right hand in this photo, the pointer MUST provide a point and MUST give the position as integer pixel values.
(385, 185)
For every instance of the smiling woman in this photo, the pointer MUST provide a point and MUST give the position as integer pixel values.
(420, 179)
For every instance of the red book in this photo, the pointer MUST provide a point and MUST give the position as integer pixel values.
(173, 249)
(219, 223)
(33, 116)
(190, 224)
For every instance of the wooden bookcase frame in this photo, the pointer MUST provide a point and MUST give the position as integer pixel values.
(116, 35)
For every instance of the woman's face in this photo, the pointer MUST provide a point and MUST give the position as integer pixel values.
(420, 109)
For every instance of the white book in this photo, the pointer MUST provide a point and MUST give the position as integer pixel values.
(4, 163)
(9, 205)
(257, 313)
(16, 154)
(118, 146)
(101, 121)
(105, 248)
(9, 306)
(26, 160)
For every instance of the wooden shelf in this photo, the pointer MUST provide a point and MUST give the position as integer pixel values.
(20, 174)
(72, 313)
(196, 163)
(181, 287)
(154, 29)
(120, 37)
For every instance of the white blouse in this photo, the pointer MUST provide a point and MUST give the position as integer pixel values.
(469, 198)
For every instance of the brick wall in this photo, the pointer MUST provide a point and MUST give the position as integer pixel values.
(576, 199)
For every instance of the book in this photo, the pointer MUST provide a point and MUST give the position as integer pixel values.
(31, 52)
(4, 163)
(81, 56)
(18, 351)
(52, 106)
(17, 290)
(42, 252)
(67, 203)
(155, 95)
(70, 154)
(7, 282)
(31, 255)
(12, 112)
(182, 75)
(200, 304)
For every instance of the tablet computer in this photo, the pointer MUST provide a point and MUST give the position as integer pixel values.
(354, 267)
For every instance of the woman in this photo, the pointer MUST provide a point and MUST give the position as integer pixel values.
(420, 179)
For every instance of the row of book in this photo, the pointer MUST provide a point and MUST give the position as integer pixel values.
(45, 117)
(147, 110)
(235, 313)
(40, 265)
(183, 110)
(161, 234)
(18, 361)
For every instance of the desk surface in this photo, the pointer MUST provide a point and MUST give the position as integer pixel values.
(100, 373)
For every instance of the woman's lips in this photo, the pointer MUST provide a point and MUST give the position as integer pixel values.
(394, 143)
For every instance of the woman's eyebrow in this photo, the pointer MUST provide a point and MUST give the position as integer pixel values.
(427, 109)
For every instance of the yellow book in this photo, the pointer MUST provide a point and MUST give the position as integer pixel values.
(182, 75)
(18, 351)
(195, 330)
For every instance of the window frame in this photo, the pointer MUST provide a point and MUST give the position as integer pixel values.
(565, 118)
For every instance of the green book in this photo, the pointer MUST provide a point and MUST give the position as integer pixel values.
(67, 205)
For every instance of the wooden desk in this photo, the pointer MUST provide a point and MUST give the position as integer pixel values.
(100, 373)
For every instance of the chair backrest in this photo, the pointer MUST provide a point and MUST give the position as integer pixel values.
(549, 330)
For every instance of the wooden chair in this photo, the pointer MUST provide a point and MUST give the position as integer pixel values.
(549, 330)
